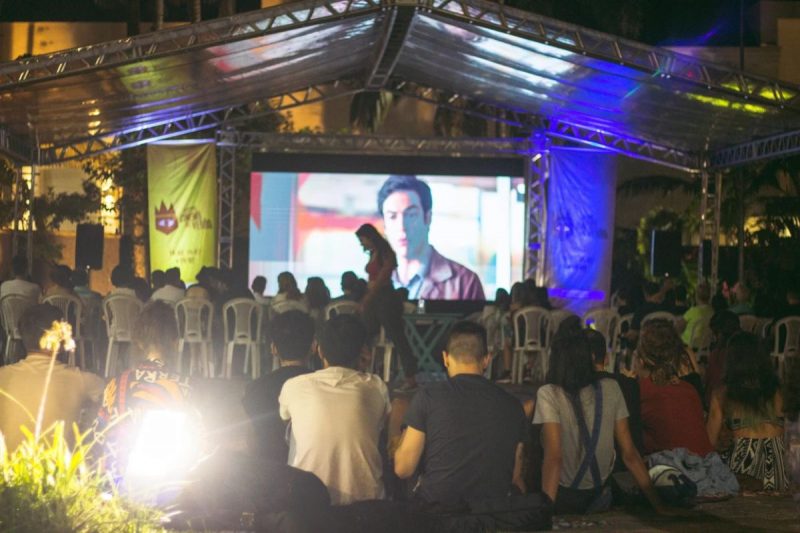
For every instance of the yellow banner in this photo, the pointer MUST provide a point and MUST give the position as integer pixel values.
(182, 198)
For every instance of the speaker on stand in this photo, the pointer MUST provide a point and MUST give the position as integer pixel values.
(665, 253)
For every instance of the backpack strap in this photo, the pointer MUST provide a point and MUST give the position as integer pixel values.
(589, 443)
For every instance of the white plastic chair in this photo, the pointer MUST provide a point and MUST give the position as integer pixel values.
(786, 342)
(340, 307)
(387, 347)
(534, 320)
(287, 305)
(554, 320)
(120, 312)
(195, 319)
(12, 306)
(71, 308)
(241, 318)
(607, 322)
(658, 315)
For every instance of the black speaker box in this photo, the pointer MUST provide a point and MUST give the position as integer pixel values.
(89, 247)
(665, 253)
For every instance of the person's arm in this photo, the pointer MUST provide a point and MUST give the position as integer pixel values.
(714, 422)
(518, 479)
(409, 452)
(551, 468)
(633, 461)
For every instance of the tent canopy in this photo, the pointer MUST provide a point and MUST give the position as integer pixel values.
(509, 65)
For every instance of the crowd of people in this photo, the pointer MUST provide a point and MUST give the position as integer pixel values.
(459, 444)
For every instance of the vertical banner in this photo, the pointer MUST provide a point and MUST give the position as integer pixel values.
(182, 198)
(581, 196)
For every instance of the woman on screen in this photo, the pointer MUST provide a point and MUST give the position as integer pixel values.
(381, 305)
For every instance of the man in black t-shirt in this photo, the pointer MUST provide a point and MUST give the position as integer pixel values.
(466, 432)
(292, 335)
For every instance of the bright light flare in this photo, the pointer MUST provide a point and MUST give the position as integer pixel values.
(164, 446)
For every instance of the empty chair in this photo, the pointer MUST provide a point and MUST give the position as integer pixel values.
(71, 308)
(607, 322)
(12, 306)
(195, 319)
(340, 307)
(120, 312)
(241, 318)
(530, 326)
(786, 342)
(658, 315)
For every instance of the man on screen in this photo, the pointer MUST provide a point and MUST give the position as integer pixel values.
(405, 204)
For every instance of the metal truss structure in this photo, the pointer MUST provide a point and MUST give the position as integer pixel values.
(538, 175)
(761, 149)
(108, 141)
(226, 193)
(710, 209)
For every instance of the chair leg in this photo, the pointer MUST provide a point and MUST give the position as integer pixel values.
(181, 346)
(387, 361)
(255, 361)
(108, 357)
(228, 359)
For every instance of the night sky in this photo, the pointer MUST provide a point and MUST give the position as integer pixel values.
(660, 22)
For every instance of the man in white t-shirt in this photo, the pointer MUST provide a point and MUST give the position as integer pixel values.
(336, 416)
(172, 292)
(18, 284)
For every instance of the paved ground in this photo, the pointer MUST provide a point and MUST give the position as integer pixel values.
(740, 514)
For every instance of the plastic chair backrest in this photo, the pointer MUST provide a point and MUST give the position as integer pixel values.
(607, 322)
(342, 307)
(288, 305)
(534, 320)
(787, 330)
(12, 306)
(121, 312)
(245, 315)
(71, 308)
(658, 315)
(195, 317)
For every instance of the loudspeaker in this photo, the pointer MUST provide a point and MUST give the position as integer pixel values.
(665, 253)
(89, 247)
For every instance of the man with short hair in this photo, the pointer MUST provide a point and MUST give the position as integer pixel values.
(336, 416)
(292, 337)
(406, 203)
(69, 390)
(19, 285)
(172, 292)
(258, 287)
(122, 280)
(469, 430)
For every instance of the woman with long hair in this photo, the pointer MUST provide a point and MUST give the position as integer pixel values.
(582, 416)
(381, 305)
(672, 407)
(750, 405)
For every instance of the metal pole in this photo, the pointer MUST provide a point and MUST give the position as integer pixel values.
(17, 191)
(159, 19)
(32, 197)
(702, 229)
(741, 35)
(717, 226)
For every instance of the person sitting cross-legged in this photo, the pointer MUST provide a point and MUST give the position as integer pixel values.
(337, 415)
(292, 336)
(467, 432)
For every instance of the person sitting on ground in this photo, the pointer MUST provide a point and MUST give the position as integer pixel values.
(61, 276)
(751, 406)
(257, 287)
(171, 292)
(741, 300)
(628, 386)
(292, 337)
(152, 384)
(697, 316)
(70, 389)
(724, 325)
(19, 284)
(337, 415)
(672, 408)
(582, 415)
(467, 432)
(122, 280)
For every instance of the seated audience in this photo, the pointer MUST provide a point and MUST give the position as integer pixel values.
(349, 287)
(92, 304)
(19, 284)
(697, 316)
(741, 304)
(157, 279)
(149, 385)
(258, 286)
(466, 432)
(336, 416)
(288, 291)
(292, 335)
(628, 386)
(672, 408)
(679, 300)
(653, 302)
(582, 415)
(141, 288)
(724, 325)
(70, 389)
(172, 291)
(122, 280)
(317, 297)
(61, 276)
(751, 406)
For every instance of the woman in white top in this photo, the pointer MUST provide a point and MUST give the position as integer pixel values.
(581, 417)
